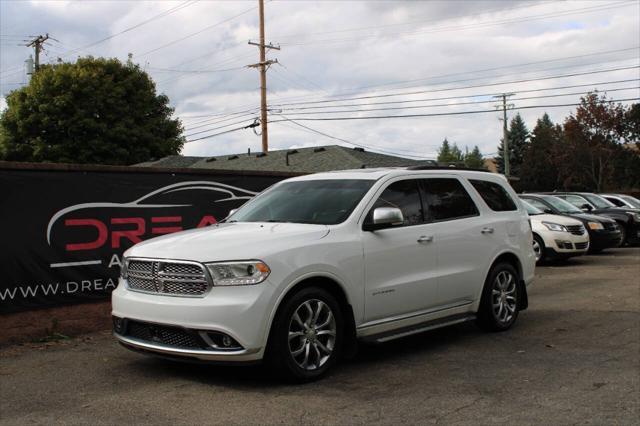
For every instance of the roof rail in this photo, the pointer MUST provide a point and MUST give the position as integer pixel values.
(445, 168)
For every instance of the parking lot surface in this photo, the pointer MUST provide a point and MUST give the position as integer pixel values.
(572, 358)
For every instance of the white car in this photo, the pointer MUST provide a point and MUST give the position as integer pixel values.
(307, 268)
(555, 236)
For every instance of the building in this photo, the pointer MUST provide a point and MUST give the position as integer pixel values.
(299, 160)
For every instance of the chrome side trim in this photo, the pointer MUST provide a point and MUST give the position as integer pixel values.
(424, 328)
(388, 325)
(201, 354)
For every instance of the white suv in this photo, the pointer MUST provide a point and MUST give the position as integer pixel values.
(305, 269)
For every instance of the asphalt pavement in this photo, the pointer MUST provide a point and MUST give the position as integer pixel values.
(572, 358)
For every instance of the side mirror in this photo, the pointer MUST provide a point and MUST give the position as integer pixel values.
(385, 217)
(586, 208)
(548, 211)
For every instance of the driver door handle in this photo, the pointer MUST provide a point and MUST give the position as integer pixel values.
(487, 230)
(425, 239)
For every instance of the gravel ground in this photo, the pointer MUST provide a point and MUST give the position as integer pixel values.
(573, 357)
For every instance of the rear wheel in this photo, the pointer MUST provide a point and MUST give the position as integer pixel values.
(538, 248)
(500, 296)
(307, 335)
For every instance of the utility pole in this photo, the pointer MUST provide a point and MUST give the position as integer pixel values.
(263, 66)
(505, 132)
(37, 44)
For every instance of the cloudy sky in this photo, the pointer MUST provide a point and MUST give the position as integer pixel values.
(439, 60)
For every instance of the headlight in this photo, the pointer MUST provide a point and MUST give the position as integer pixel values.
(238, 273)
(595, 226)
(554, 226)
(124, 267)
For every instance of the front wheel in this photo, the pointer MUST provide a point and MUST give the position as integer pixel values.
(307, 335)
(623, 235)
(538, 248)
(500, 296)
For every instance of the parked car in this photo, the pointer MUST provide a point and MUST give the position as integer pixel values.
(305, 269)
(604, 232)
(628, 218)
(622, 200)
(555, 236)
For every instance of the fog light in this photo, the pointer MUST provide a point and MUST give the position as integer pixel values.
(219, 340)
(118, 325)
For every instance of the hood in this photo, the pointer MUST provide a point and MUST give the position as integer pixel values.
(229, 241)
(554, 218)
(591, 217)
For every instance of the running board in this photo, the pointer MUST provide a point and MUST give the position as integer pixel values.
(418, 328)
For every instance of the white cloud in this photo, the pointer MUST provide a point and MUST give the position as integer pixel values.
(329, 48)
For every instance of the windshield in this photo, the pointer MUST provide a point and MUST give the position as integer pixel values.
(598, 201)
(321, 202)
(631, 200)
(562, 205)
(531, 209)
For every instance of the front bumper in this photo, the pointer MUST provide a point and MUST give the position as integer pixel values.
(244, 355)
(565, 244)
(240, 312)
(605, 239)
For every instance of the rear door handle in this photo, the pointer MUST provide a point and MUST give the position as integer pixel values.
(487, 230)
(425, 239)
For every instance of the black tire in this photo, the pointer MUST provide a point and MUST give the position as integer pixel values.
(488, 319)
(623, 234)
(279, 350)
(542, 247)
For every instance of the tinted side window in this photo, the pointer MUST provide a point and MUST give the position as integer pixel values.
(616, 201)
(447, 199)
(537, 203)
(494, 195)
(575, 200)
(405, 196)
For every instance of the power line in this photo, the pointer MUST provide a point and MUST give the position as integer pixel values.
(590, 9)
(254, 124)
(224, 21)
(453, 104)
(133, 27)
(216, 128)
(464, 87)
(443, 113)
(359, 90)
(479, 95)
(350, 142)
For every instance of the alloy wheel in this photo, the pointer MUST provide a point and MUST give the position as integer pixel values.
(537, 250)
(312, 334)
(503, 297)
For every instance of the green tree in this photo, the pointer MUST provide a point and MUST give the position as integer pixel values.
(518, 135)
(444, 153)
(539, 170)
(449, 154)
(473, 159)
(456, 154)
(96, 110)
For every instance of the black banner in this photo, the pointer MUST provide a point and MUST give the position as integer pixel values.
(64, 232)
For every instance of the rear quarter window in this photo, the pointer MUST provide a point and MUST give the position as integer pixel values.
(494, 194)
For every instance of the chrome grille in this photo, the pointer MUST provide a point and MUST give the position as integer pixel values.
(576, 229)
(581, 246)
(167, 277)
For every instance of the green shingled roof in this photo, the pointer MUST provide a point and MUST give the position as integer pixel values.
(301, 160)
